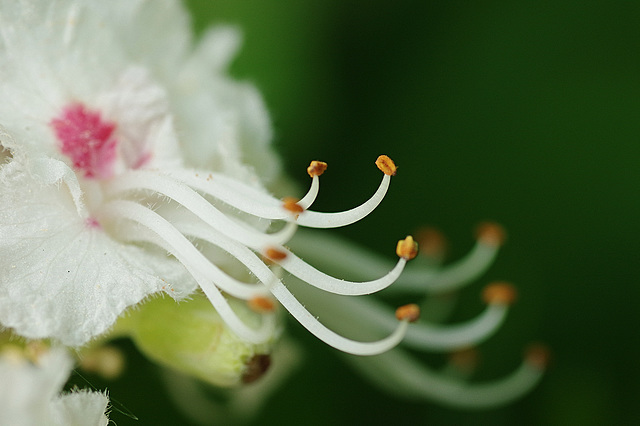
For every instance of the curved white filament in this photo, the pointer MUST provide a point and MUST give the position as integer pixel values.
(455, 336)
(284, 296)
(306, 201)
(399, 371)
(450, 277)
(307, 273)
(178, 245)
(330, 337)
(313, 219)
(348, 258)
(194, 202)
(367, 315)
(241, 196)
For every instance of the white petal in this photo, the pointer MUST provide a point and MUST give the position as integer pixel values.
(145, 128)
(80, 409)
(236, 139)
(62, 278)
(27, 390)
(29, 393)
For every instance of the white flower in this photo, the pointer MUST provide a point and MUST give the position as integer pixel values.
(109, 115)
(30, 392)
(124, 142)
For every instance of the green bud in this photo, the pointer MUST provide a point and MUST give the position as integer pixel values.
(191, 337)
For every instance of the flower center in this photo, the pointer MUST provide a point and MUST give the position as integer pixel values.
(87, 139)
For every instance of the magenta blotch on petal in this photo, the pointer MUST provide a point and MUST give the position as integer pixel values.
(87, 140)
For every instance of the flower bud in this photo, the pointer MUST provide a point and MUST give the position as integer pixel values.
(190, 336)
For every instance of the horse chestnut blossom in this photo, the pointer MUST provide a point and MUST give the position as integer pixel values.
(134, 166)
(32, 378)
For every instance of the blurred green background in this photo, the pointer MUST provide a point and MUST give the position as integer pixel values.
(521, 112)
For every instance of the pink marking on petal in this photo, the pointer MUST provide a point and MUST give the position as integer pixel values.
(144, 158)
(92, 222)
(87, 140)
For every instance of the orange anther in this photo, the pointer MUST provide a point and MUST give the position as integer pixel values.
(316, 168)
(275, 254)
(410, 312)
(491, 234)
(432, 242)
(538, 355)
(407, 248)
(499, 293)
(262, 304)
(291, 204)
(386, 165)
(465, 359)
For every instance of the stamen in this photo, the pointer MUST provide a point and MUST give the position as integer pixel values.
(345, 257)
(453, 276)
(435, 337)
(307, 273)
(465, 359)
(491, 234)
(313, 219)
(291, 205)
(407, 248)
(409, 313)
(262, 304)
(386, 165)
(316, 168)
(194, 202)
(169, 238)
(537, 355)
(371, 314)
(499, 293)
(288, 301)
(432, 242)
(242, 196)
(331, 338)
(275, 254)
(398, 369)
(204, 273)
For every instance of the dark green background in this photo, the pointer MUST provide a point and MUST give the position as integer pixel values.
(521, 112)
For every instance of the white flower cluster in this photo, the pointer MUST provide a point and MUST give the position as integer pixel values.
(133, 165)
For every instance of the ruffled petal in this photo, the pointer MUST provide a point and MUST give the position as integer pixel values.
(77, 51)
(29, 393)
(62, 277)
(82, 408)
(236, 140)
